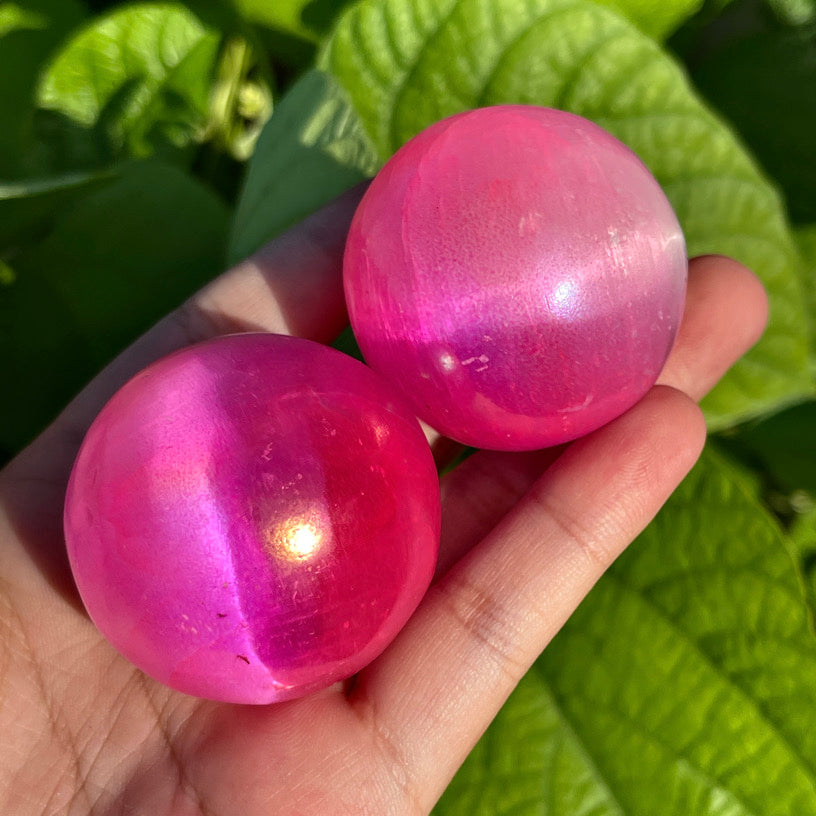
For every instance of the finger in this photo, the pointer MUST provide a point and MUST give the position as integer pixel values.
(482, 625)
(479, 491)
(726, 310)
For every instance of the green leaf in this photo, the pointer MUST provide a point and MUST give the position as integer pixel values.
(685, 684)
(29, 32)
(137, 80)
(311, 150)
(406, 63)
(763, 84)
(113, 263)
(783, 447)
(803, 535)
(308, 19)
(794, 12)
(806, 241)
(658, 20)
(25, 206)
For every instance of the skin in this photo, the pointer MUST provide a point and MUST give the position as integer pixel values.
(525, 536)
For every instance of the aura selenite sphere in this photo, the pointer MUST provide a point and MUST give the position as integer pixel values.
(518, 273)
(253, 518)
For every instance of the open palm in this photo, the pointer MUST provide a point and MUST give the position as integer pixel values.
(524, 537)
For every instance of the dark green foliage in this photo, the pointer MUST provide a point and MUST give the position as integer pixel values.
(762, 79)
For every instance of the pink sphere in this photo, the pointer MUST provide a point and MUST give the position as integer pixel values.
(253, 518)
(518, 273)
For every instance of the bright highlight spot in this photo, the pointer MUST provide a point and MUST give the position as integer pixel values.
(447, 361)
(563, 295)
(303, 540)
(295, 541)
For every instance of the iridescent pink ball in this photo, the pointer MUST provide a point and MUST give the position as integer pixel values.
(518, 273)
(253, 518)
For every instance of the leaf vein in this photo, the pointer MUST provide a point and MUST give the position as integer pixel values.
(729, 679)
(400, 88)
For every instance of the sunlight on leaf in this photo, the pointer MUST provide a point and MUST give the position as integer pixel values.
(30, 32)
(13, 16)
(685, 684)
(139, 78)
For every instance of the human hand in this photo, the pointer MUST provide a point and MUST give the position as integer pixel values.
(524, 538)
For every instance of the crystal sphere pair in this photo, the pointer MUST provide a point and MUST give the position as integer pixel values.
(256, 517)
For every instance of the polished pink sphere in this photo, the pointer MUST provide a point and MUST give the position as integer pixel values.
(518, 273)
(253, 518)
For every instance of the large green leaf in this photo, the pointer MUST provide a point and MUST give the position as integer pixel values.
(406, 63)
(30, 31)
(135, 81)
(114, 262)
(684, 685)
(311, 150)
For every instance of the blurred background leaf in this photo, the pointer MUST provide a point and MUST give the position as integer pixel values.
(137, 80)
(782, 447)
(30, 31)
(308, 19)
(109, 266)
(26, 205)
(761, 77)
